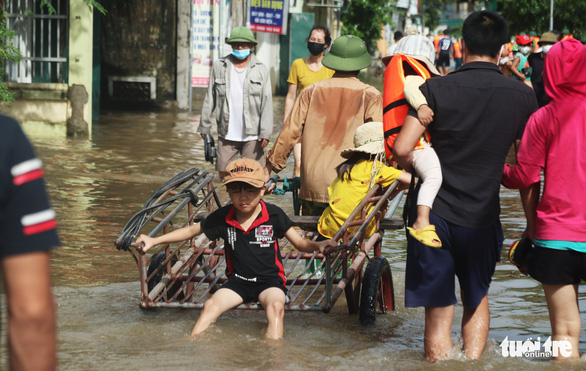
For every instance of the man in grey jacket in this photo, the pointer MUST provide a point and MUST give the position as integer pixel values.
(240, 93)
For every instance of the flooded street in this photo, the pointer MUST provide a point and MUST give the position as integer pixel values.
(96, 186)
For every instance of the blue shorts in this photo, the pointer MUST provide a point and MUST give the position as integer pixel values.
(249, 291)
(470, 254)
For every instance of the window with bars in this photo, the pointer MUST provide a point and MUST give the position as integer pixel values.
(42, 39)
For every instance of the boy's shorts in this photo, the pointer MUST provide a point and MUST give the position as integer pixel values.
(443, 59)
(470, 254)
(557, 267)
(249, 291)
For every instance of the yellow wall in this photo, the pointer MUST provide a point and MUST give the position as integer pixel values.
(39, 107)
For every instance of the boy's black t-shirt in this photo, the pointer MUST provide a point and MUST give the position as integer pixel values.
(251, 255)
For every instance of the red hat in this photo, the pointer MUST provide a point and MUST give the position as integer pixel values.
(523, 40)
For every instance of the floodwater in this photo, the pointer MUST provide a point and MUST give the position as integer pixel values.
(97, 185)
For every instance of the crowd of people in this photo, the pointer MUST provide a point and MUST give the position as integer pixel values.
(452, 131)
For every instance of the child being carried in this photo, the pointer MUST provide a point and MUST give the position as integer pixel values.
(426, 164)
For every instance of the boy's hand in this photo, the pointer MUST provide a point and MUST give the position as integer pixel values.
(147, 241)
(425, 115)
(323, 245)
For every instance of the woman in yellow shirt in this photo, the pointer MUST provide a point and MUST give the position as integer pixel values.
(306, 71)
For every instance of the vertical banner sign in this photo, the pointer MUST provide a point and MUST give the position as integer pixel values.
(205, 31)
(269, 16)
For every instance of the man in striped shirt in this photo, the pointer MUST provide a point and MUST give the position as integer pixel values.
(27, 233)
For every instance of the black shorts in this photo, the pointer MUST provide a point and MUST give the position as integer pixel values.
(557, 267)
(443, 59)
(249, 291)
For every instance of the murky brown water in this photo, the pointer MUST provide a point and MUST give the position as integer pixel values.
(95, 186)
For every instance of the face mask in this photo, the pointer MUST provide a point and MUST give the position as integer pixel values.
(315, 48)
(504, 61)
(525, 49)
(241, 53)
(545, 48)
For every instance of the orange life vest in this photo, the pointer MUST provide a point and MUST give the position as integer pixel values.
(436, 40)
(395, 106)
(535, 40)
(457, 49)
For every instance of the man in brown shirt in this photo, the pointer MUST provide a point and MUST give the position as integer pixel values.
(327, 114)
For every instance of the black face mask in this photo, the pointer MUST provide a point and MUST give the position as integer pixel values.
(315, 48)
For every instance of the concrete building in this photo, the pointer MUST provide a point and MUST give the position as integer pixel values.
(57, 56)
(139, 55)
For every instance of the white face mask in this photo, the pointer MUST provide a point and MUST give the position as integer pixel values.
(525, 49)
(504, 61)
(545, 48)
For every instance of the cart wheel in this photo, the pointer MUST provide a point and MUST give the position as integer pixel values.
(157, 260)
(377, 290)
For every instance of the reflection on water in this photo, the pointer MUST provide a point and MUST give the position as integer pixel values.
(95, 186)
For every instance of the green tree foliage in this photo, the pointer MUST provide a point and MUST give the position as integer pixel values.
(365, 19)
(533, 15)
(90, 3)
(7, 52)
(430, 9)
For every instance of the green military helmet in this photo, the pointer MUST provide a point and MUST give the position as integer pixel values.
(347, 53)
(241, 35)
(532, 33)
(548, 37)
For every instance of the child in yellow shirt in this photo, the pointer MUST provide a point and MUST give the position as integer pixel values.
(365, 166)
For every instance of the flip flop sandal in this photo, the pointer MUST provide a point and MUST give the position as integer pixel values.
(426, 236)
(519, 253)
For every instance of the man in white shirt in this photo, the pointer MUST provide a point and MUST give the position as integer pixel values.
(240, 93)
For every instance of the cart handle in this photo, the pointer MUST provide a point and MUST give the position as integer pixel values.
(331, 250)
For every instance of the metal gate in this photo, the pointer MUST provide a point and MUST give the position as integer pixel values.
(42, 38)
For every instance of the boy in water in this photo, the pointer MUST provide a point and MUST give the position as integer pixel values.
(250, 229)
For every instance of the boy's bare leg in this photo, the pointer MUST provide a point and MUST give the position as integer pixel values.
(222, 301)
(273, 301)
(437, 339)
(297, 156)
(475, 325)
(422, 217)
(564, 315)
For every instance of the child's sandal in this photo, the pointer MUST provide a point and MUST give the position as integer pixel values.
(426, 236)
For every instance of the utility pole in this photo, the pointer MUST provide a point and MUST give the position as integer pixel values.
(551, 15)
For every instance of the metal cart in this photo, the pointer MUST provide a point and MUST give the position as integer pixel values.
(185, 274)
